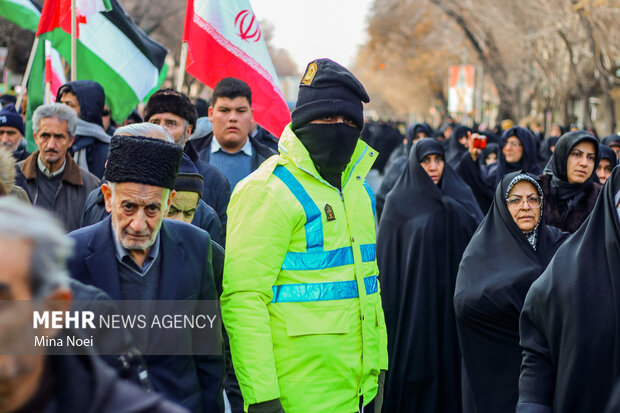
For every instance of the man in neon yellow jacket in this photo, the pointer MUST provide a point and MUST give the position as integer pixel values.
(301, 300)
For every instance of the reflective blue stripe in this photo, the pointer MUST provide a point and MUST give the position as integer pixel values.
(371, 285)
(314, 225)
(337, 290)
(317, 260)
(371, 194)
(368, 252)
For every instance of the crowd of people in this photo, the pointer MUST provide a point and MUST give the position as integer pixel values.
(358, 270)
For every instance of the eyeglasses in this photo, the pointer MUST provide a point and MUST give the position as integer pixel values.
(514, 144)
(532, 201)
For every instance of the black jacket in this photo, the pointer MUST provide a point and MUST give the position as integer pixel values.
(100, 389)
(216, 188)
(259, 154)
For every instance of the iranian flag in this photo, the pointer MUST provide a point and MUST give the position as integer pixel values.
(24, 13)
(111, 50)
(225, 40)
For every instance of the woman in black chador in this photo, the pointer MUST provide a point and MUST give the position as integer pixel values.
(570, 323)
(510, 249)
(570, 182)
(428, 219)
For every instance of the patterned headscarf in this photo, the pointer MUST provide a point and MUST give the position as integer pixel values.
(531, 236)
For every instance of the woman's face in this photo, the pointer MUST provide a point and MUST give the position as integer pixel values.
(603, 171)
(513, 150)
(433, 165)
(580, 163)
(491, 158)
(523, 204)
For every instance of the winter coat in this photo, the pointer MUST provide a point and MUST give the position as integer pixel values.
(260, 152)
(301, 299)
(100, 389)
(74, 187)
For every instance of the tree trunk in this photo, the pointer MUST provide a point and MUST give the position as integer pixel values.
(610, 108)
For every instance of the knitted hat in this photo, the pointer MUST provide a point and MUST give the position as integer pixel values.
(169, 100)
(10, 117)
(143, 160)
(188, 179)
(329, 89)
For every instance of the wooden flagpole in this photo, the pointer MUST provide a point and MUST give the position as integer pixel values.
(27, 74)
(73, 41)
(181, 73)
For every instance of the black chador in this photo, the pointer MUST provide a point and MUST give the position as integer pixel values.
(423, 232)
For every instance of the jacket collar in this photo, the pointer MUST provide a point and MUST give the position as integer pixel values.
(72, 173)
(294, 151)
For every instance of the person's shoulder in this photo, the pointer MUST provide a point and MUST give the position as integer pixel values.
(184, 230)
(89, 232)
(261, 149)
(90, 180)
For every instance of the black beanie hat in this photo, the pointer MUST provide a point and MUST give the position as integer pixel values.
(188, 179)
(10, 117)
(143, 160)
(169, 100)
(329, 89)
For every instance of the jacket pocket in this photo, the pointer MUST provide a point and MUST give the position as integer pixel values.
(317, 320)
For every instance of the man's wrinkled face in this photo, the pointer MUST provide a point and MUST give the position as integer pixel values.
(137, 211)
(53, 141)
(71, 100)
(184, 206)
(176, 126)
(232, 121)
(10, 137)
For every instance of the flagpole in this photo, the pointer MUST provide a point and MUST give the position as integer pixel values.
(181, 73)
(73, 42)
(47, 98)
(27, 74)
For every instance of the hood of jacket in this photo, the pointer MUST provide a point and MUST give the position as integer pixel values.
(90, 96)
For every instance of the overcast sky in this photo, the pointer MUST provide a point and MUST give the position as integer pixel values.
(316, 28)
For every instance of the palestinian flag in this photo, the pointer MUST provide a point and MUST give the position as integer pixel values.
(111, 50)
(24, 13)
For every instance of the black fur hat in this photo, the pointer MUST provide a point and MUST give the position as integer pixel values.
(143, 160)
(169, 100)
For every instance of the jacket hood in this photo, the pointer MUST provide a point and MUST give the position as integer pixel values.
(90, 96)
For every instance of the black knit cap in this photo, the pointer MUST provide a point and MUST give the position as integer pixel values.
(143, 160)
(329, 89)
(188, 179)
(169, 100)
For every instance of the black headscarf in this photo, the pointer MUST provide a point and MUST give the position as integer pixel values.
(455, 149)
(608, 140)
(528, 162)
(609, 154)
(566, 193)
(496, 271)
(544, 153)
(570, 323)
(489, 149)
(423, 232)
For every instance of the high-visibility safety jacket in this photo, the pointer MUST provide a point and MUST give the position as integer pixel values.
(301, 300)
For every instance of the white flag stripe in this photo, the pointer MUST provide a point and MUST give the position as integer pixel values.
(115, 49)
(88, 7)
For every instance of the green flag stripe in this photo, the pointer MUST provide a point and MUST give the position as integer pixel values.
(22, 13)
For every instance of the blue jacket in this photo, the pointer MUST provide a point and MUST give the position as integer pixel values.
(192, 381)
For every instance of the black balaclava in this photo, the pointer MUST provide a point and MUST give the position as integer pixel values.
(328, 89)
